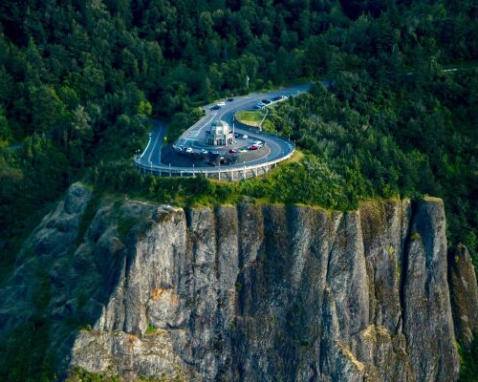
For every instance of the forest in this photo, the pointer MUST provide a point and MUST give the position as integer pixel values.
(79, 81)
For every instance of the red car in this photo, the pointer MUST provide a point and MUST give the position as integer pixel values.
(253, 147)
(233, 151)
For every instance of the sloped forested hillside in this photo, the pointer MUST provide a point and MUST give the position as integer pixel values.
(79, 81)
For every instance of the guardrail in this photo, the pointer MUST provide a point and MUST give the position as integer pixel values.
(221, 173)
(228, 172)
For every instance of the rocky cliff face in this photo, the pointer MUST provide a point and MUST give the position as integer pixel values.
(247, 293)
(465, 295)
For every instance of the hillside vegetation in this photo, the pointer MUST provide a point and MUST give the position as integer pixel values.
(79, 81)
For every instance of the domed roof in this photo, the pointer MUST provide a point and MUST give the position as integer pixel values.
(220, 127)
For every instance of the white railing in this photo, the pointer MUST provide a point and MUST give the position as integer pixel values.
(227, 172)
(220, 172)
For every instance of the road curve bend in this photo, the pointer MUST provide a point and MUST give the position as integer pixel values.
(150, 160)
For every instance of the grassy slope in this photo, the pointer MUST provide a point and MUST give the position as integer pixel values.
(254, 118)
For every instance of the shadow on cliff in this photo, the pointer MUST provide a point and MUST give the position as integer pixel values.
(260, 291)
(65, 274)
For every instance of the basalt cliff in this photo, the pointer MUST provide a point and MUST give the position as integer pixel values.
(245, 293)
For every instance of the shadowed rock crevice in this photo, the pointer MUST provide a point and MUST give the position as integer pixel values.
(255, 292)
(428, 323)
(410, 236)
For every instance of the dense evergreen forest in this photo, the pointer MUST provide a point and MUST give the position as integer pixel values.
(79, 81)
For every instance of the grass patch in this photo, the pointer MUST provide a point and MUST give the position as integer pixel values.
(251, 118)
(151, 330)
(80, 375)
(415, 236)
(284, 184)
(296, 157)
(255, 117)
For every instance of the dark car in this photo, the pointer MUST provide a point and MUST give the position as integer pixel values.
(230, 99)
(276, 98)
(266, 101)
(215, 107)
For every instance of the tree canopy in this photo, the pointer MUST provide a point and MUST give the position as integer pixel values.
(79, 81)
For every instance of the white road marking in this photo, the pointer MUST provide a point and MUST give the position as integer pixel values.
(155, 143)
(146, 149)
(191, 135)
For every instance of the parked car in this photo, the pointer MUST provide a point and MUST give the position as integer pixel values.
(204, 151)
(253, 147)
(245, 136)
(266, 101)
(215, 107)
(243, 151)
(276, 98)
(220, 104)
(233, 151)
(230, 99)
(189, 150)
(180, 148)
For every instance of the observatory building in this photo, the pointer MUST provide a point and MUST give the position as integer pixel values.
(220, 134)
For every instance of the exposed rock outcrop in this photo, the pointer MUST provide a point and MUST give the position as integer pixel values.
(428, 321)
(464, 295)
(250, 293)
(48, 246)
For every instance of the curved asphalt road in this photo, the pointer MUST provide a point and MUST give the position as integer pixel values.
(195, 135)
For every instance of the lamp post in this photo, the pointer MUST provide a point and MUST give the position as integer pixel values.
(170, 169)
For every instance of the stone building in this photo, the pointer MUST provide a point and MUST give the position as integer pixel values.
(220, 134)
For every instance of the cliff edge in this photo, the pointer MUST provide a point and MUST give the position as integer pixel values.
(246, 293)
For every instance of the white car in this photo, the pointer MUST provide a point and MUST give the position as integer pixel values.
(245, 136)
(204, 151)
(189, 150)
(221, 104)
